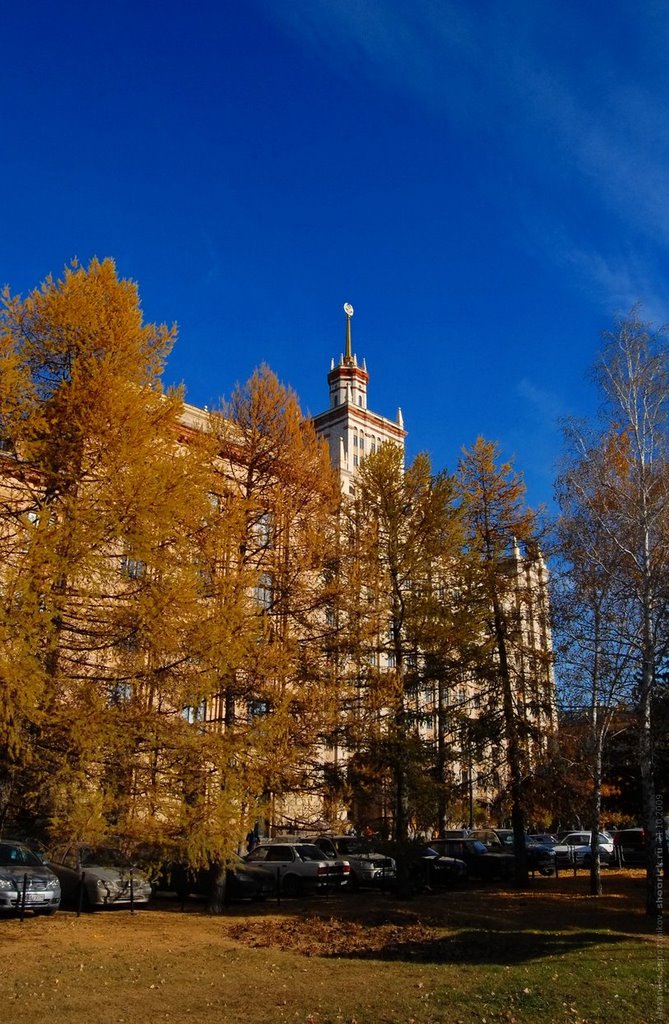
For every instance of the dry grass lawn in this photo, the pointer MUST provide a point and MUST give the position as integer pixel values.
(549, 954)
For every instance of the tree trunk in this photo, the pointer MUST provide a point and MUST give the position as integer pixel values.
(595, 863)
(653, 888)
(514, 755)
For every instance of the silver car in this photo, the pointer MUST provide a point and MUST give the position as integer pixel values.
(367, 866)
(99, 876)
(574, 849)
(26, 882)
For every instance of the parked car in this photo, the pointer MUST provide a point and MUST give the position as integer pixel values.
(574, 848)
(481, 863)
(108, 878)
(26, 881)
(368, 868)
(499, 840)
(545, 839)
(299, 867)
(630, 847)
(439, 870)
(237, 879)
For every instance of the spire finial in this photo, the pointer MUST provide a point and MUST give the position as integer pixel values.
(348, 357)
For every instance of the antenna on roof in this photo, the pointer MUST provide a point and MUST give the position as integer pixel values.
(348, 358)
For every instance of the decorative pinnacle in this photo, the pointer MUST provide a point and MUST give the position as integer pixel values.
(348, 357)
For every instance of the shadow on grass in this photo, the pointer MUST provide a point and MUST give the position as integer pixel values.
(476, 947)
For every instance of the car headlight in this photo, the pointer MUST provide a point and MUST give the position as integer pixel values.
(55, 884)
(5, 883)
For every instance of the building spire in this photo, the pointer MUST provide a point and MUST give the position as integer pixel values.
(348, 356)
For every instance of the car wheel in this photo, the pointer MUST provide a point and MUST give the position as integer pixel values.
(292, 885)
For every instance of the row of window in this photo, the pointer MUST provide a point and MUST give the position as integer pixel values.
(359, 442)
(121, 692)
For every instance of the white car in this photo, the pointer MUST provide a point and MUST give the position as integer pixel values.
(299, 867)
(574, 848)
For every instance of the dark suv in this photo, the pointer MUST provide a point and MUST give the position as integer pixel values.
(630, 847)
(498, 840)
(481, 863)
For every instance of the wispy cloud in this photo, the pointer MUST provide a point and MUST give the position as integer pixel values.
(595, 129)
(623, 280)
(546, 407)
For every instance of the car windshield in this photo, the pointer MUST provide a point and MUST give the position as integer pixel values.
(351, 844)
(104, 857)
(12, 854)
(309, 852)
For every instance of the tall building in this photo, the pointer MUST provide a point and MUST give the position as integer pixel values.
(352, 432)
(349, 427)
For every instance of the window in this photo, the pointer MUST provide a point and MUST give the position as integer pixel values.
(134, 568)
(260, 853)
(362, 443)
(258, 708)
(355, 460)
(372, 447)
(262, 529)
(195, 712)
(120, 692)
(355, 440)
(280, 854)
(262, 592)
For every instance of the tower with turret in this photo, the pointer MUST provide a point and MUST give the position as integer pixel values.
(348, 426)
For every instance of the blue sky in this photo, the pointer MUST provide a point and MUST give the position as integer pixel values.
(487, 184)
